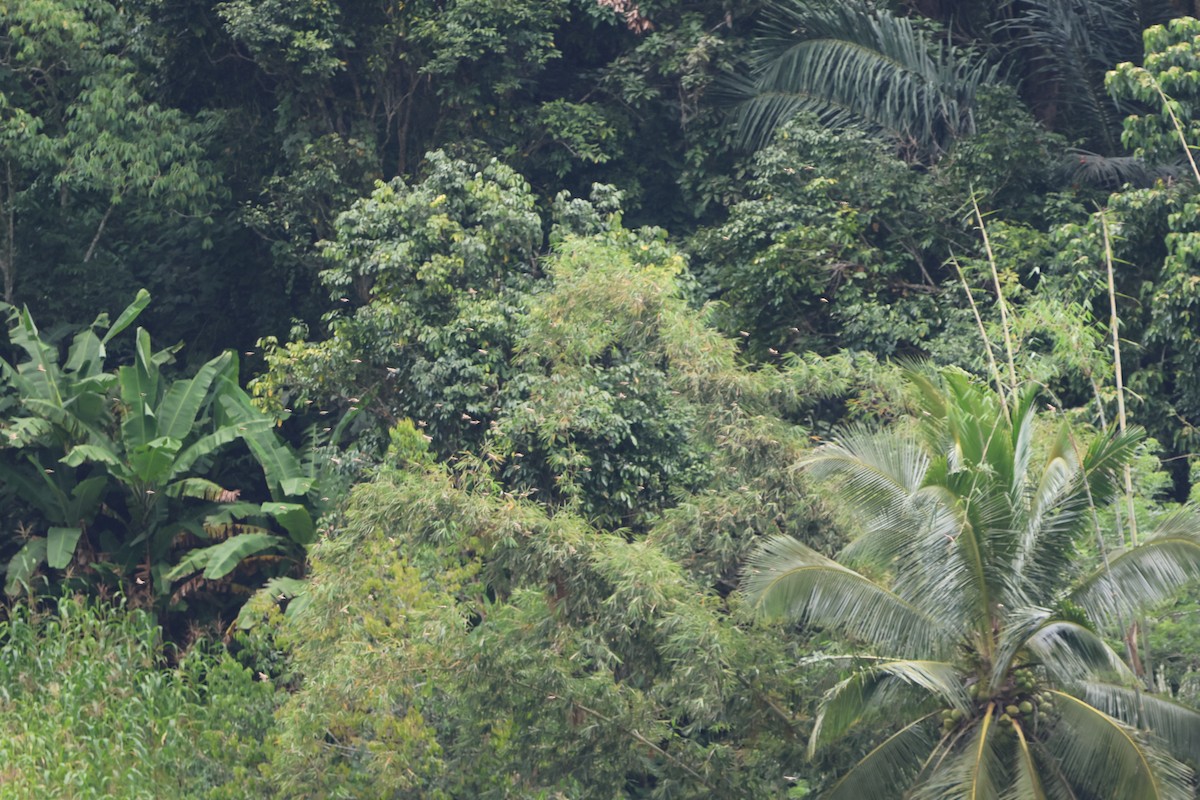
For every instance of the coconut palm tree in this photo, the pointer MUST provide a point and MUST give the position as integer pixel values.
(983, 632)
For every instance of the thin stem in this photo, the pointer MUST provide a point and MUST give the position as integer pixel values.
(99, 231)
(1114, 323)
(9, 264)
(987, 343)
(987, 246)
(1187, 151)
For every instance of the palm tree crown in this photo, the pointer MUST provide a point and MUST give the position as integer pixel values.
(984, 629)
(853, 63)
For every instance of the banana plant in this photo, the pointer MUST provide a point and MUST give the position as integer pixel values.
(122, 460)
(47, 406)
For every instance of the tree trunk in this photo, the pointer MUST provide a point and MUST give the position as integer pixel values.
(8, 252)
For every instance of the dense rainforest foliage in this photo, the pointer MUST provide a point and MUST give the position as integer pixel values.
(600, 399)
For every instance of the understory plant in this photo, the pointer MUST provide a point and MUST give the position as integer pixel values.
(90, 707)
(113, 473)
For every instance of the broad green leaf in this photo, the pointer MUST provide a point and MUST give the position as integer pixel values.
(221, 559)
(86, 356)
(280, 465)
(63, 418)
(23, 565)
(137, 393)
(282, 588)
(292, 589)
(24, 431)
(196, 488)
(295, 519)
(41, 371)
(126, 317)
(152, 461)
(85, 453)
(202, 447)
(37, 488)
(85, 498)
(228, 513)
(96, 384)
(177, 413)
(60, 546)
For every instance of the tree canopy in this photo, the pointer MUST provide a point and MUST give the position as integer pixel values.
(599, 398)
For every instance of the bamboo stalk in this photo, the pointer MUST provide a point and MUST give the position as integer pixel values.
(987, 246)
(1114, 322)
(987, 343)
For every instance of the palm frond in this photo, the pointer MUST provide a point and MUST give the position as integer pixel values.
(1083, 167)
(876, 471)
(1055, 509)
(1070, 45)
(1059, 510)
(1104, 757)
(903, 525)
(1174, 724)
(887, 770)
(886, 686)
(1145, 575)
(1026, 785)
(973, 771)
(1106, 456)
(850, 60)
(1071, 653)
(786, 579)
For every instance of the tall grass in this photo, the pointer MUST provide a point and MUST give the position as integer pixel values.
(90, 708)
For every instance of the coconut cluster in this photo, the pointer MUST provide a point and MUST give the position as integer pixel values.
(1021, 699)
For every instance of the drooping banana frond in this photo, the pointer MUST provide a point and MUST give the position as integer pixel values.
(786, 579)
(1145, 575)
(1104, 757)
(886, 771)
(851, 63)
(886, 687)
(1176, 725)
(199, 489)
